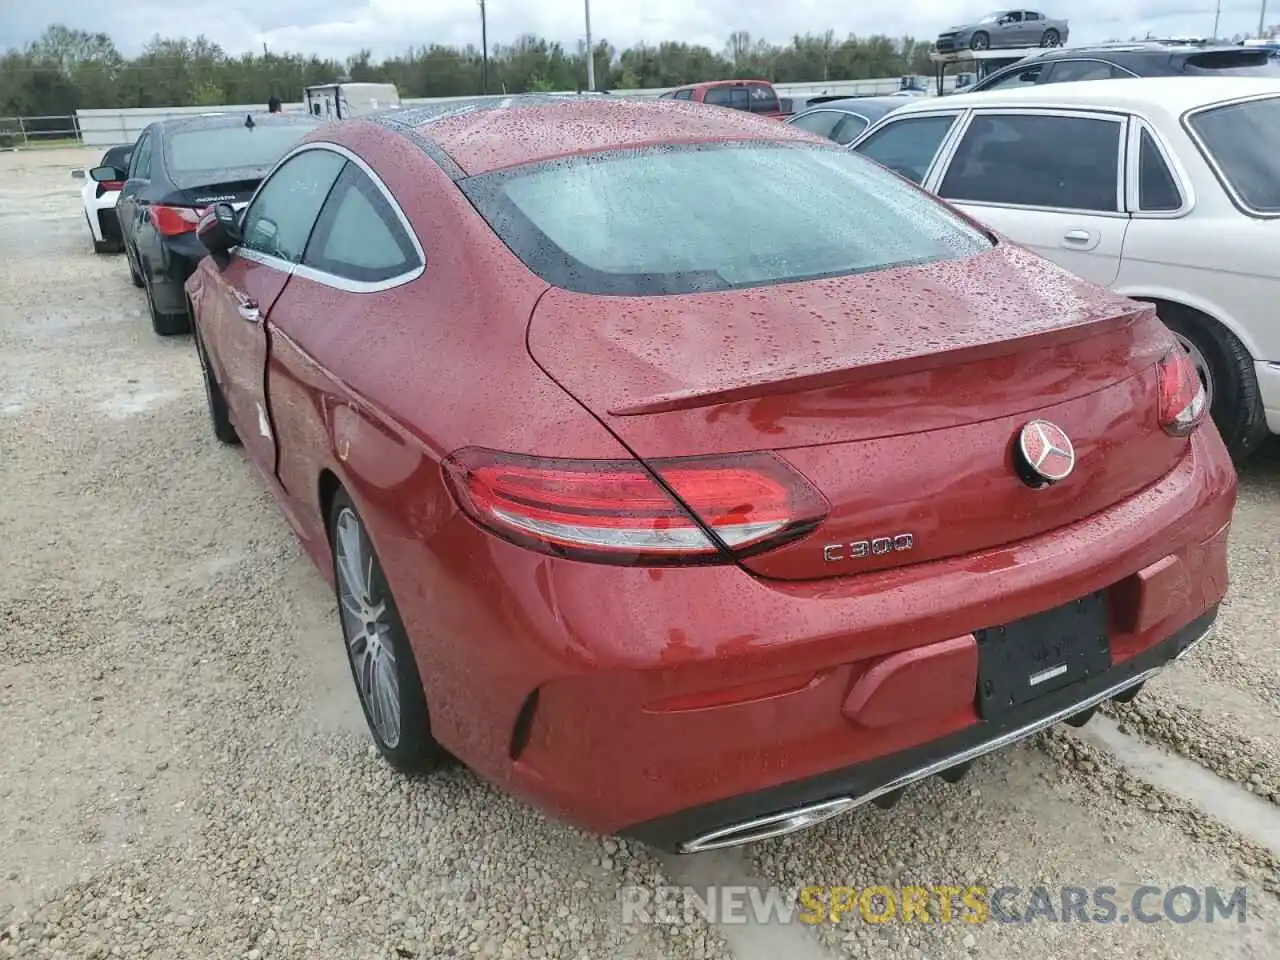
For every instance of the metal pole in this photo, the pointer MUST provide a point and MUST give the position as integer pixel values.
(1217, 14)
(484, 48)
(1262, 19)
(591, 53)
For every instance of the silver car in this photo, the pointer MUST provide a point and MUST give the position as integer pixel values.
(1002, 29)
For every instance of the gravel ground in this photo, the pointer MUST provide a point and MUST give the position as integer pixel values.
(185, 772)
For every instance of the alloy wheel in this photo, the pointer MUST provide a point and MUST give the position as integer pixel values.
(366, 626)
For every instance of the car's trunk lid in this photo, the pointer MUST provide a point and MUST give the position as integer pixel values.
(236, 192)
(898, 394)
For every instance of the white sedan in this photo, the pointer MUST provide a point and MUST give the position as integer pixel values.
(100, 201)
(1164, 189)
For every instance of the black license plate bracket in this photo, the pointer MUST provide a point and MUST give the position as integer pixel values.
(1021, 661)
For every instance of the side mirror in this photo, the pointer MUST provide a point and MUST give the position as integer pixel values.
(219, 231)
(107, 174)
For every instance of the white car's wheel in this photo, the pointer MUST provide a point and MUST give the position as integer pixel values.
(99, 246)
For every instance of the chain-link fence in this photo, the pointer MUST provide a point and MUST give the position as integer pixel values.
(38, 131)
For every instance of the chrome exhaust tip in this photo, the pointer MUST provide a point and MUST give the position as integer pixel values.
(774, 825)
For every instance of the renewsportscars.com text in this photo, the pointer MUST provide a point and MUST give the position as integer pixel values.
(970, 904)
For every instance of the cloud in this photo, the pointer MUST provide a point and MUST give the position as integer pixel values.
(387, 27)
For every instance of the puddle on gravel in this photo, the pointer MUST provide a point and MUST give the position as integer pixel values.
(125, 405)
(1255, 819)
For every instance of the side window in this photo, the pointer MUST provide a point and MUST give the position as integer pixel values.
(279, 220)
(684, 95)
(821, 122)
(358, 236)
(1071, 71)
(140, 162)
(726, 96)
(1157, 188)
(848, 131)
(1032, 15)
(908, 146)
(761, 99)
(1037, 161)
(1014, 79)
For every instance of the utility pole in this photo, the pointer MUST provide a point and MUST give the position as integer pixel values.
(1262, 19)
(591, 53)
(1217, 15)
(484, 48)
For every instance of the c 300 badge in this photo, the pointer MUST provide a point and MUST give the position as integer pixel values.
(875, 547)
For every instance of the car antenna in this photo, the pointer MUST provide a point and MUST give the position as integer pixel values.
(248, 121)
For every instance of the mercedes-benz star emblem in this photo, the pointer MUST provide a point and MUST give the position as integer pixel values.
(1047, 451)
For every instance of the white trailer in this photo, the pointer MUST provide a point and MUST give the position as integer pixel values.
(338, 101)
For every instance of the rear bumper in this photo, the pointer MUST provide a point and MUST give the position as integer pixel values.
(168, 273)
(1269, 388)
(802, 804)
(668, 703)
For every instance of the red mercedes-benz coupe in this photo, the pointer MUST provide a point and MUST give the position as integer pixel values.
(692, 477)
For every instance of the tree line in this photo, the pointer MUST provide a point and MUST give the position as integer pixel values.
(69, 69)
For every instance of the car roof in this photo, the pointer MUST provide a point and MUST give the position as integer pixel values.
(483, 135)
(1175, 94)
(707, 84)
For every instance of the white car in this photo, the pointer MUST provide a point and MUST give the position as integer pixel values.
(1164, 189)
(100, 201)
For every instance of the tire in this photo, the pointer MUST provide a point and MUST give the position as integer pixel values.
(980, 41)
(1051, 38)
(166, 324)
(99, 246)
(401, 730)
(1235, 403)
(223, 429)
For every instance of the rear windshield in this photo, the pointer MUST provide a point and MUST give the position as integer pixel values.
(1244, 141)
(754, 97)
(192, 153)
(692, 218)
(1232, 63)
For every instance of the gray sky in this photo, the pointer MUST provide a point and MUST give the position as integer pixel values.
(339, 27)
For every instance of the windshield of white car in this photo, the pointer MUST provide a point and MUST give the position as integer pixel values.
(991, 17)
(694, 218)
(1244, 141)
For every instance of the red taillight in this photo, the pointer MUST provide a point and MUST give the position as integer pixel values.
(1182, 396)
(614, 511)
(106, 186)
(174, 221)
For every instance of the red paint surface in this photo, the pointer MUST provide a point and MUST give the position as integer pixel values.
(898, 394)
(932, 680)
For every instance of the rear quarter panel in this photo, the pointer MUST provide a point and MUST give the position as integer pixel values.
(377, 388)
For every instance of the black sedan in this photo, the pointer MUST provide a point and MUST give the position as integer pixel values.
(842, 118)
(1144, 58)
(179, 168)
